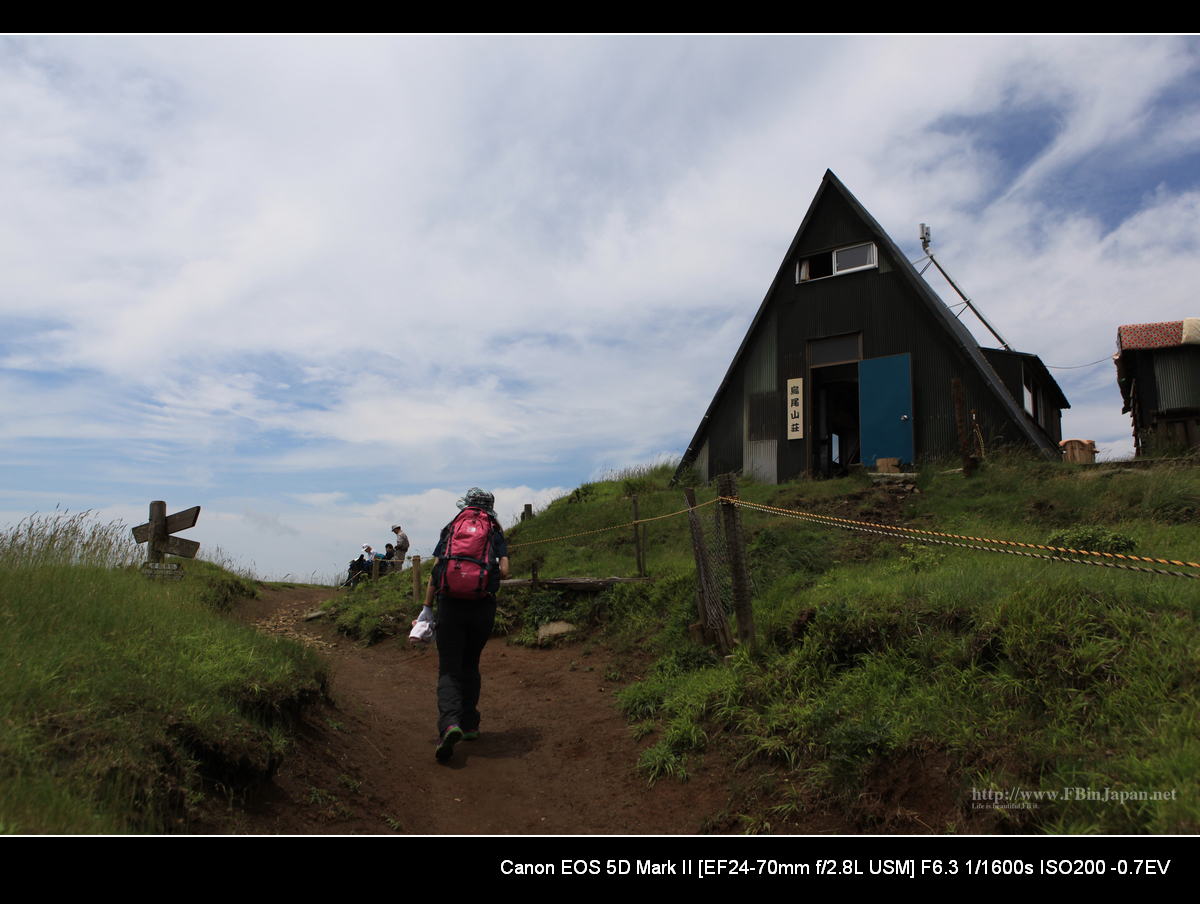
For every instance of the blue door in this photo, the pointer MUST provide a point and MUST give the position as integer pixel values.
(885, 408)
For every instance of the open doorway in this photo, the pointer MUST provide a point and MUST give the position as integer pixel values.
(837, 442)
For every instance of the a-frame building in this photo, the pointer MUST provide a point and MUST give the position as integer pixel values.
(850, 359)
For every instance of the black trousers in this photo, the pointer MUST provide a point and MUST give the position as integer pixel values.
(463, 629)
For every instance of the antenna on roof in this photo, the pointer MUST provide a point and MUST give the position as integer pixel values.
(924, 234)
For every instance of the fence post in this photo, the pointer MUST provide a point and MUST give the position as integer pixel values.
(645, 564)
(528, 513)
(960, 415)
(637, 542)
(418, 595)
(735, 542)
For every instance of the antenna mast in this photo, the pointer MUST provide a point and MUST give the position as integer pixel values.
(961, 293)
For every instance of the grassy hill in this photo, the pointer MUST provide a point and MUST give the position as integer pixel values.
(127, 704)
(984, 674)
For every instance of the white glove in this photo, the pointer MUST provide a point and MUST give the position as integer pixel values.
(423, 627)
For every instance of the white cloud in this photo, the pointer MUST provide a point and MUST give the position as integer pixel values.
(271, 524)
(309, 279)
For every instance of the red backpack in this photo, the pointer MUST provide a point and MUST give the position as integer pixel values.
(470, 564)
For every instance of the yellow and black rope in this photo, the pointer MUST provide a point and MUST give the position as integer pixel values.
(923, 536)
(926, 536)
(601, 530)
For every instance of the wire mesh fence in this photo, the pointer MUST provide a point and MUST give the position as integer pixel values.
(713, 577)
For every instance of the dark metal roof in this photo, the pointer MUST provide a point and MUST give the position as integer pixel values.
(960, 334)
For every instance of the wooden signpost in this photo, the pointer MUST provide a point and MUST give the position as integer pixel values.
(156, 533)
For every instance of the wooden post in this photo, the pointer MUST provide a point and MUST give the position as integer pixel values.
(374, 567)
(960, 415)
(156, 548)
(690, 495)
(645, 564)
(637, 542)
(735, 542)
(701, 576)
(418, 590)
(528, 513)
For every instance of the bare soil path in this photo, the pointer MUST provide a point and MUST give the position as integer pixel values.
(554, 756)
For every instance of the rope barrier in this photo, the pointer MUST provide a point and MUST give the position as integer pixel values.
(925, 536)
(922, 536)
(601, 530)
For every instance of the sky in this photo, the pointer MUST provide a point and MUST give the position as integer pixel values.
(319, 285)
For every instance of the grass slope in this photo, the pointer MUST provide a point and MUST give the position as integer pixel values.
(126, 702)
(1019, 673)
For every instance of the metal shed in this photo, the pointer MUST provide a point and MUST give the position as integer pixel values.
(850, 358)
(1158, 371)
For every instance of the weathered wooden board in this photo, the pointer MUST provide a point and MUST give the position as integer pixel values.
(186, 549)
(175, 523)
(183, 520)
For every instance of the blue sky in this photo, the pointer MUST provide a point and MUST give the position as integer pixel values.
(318, 285)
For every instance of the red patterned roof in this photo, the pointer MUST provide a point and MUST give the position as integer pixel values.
(1150, 335)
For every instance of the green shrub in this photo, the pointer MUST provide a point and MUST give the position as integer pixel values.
(374, 610)
(584, 493)
(1093, 539)
(216, 587)
(544, 607)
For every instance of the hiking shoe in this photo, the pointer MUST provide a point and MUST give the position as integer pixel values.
(471, 735)
(450, 737)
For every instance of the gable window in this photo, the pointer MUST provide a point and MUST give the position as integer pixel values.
(857, 257)
(836, 262)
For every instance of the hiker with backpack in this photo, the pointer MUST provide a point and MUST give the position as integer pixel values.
(472, 558)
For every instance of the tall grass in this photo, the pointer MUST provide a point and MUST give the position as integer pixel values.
(60, 539)
(124, 702)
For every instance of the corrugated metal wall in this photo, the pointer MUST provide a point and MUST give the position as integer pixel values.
(1010, 367)
(763, 405)
(727, 427)
(1177, 373)
(833, 223)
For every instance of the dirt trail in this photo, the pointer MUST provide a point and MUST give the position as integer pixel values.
(554, 755)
